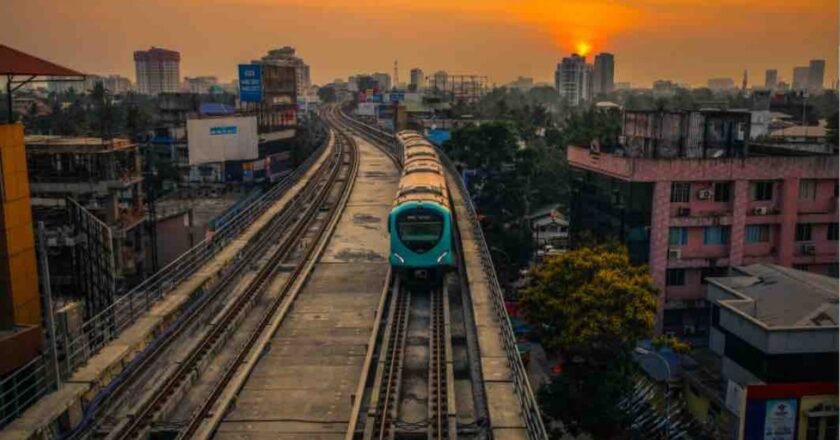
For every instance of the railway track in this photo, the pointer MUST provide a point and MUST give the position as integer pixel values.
(311, 240)
(412, 393)
(412, 396)
(130, 409)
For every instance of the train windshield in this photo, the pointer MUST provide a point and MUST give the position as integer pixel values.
(419, 231)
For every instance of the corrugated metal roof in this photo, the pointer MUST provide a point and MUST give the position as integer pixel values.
(15, 62)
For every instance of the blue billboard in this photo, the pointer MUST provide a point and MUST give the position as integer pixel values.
(396, 97)
(250, 83)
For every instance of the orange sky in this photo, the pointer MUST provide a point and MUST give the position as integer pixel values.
(684, 40)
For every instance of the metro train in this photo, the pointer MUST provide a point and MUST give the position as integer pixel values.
(420, 222)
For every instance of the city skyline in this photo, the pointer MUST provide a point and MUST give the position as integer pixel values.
(497, 38)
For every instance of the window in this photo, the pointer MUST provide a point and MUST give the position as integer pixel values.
(762, 191)
(833, 231)
(678, 236)
(722, 191)
(807, 189)
(675, 277)
(758, 233)
(803, 232)
(831, 427)
(419, 231)
(813, 429)
(680, 192)
(716, 235)
(712, 272)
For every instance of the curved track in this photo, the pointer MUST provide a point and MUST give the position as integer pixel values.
(151, 387)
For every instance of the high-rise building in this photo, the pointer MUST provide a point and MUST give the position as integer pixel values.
(771, 79)
(603, 77)
(816, 76)
(416, 79)
(721, 84)
(800, 78)
(439, 80)
(572, 79)
(200, 84)
(383, 80)
(285, 56)
(117, 84)
(158, 71)
(522, 83)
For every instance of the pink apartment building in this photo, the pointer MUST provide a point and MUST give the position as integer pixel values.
(693, 217)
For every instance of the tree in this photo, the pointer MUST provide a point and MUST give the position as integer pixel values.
(592, 305)
(591, 302)
(584, 399)
(104, 119)
(499, 183)
(327, 94)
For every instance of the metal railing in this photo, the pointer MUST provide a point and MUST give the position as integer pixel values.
(522, 387)
(27, 384)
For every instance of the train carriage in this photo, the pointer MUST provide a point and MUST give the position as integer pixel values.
(420, 222)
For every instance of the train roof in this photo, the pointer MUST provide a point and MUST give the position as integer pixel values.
(423, 178)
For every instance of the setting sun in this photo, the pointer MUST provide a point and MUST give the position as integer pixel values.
(583, 48)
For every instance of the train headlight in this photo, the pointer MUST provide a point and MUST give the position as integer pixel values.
(442, 256)
(402, 260)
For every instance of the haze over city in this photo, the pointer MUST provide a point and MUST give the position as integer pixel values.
(404, 219)
(686, 40)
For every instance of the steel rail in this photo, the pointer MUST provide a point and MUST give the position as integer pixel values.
(228, 275)
(530, 411)
(300, 271)
(146, 414)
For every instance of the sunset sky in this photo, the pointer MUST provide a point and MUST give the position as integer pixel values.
(683, 40)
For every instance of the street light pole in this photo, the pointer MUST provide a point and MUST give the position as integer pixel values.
(645, 352)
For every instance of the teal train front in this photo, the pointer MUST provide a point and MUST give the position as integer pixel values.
(420, 223)
(421, 236)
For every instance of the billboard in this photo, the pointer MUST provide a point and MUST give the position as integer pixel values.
(366, 109)
(781, 411)
(222, 139)
(250, 83)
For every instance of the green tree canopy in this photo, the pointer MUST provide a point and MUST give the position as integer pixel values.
(327, 94)
(591, 302)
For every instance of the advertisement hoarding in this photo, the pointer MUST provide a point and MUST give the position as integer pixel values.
(366, 109)
(250, 83)
(222, 139)
(779, 411)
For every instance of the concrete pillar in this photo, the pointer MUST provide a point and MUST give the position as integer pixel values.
(737, 237)
(660, 219)
(788, 200)
(20, 303)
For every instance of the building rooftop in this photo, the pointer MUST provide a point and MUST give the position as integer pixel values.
(777, 296)
(69, 144)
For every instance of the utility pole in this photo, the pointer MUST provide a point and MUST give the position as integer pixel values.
(396, 75)
(46, 293)
(151, 205)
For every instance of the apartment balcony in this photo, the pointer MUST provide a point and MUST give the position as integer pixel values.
(81, 184)
(691, 217)
(685, 257)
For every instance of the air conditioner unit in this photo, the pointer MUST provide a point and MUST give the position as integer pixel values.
(689, 330)
(761, 210)
(809, 249)
(683, 212)
(704, 194)
(674, 254)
